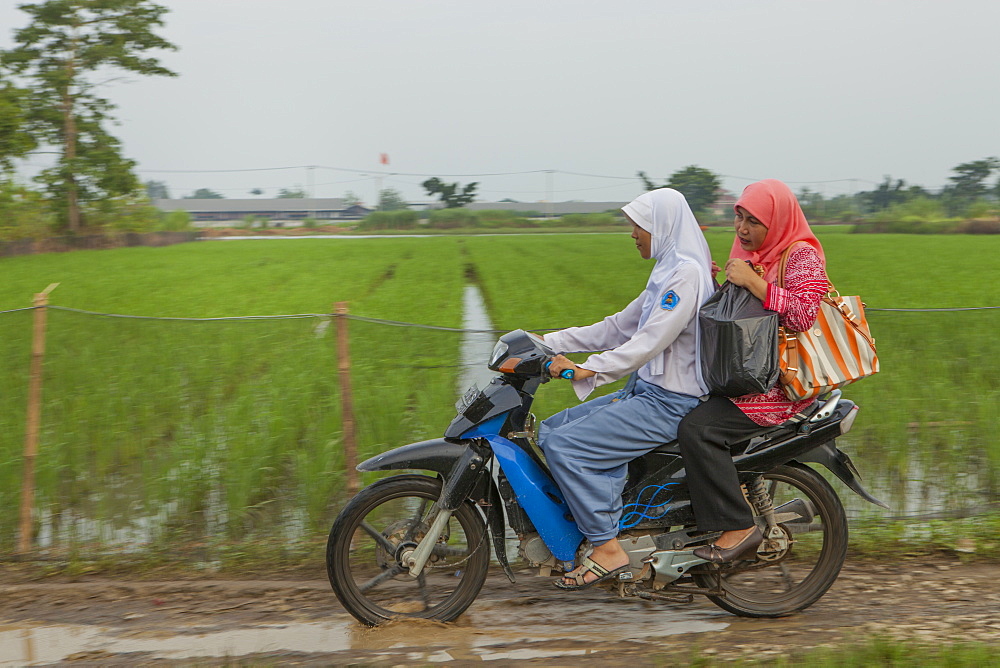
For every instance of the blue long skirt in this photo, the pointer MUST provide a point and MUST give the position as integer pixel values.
(588, 448)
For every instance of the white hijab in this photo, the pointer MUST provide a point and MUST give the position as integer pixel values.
(676, 239)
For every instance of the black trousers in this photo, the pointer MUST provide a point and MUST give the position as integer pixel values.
(706, 436)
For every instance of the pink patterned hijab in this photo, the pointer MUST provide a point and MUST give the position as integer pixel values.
(774, 204)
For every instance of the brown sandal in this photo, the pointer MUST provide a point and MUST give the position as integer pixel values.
(589, 566)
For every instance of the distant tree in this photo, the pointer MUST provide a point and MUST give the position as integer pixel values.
(157, 190)
(351, 198)
(699, 186)
(256, 191)
(969, 182)
(15, 141)
(391, 200)
(886, 194)
(449, 192)
(65, 43)
(204, 193)
(292, 193)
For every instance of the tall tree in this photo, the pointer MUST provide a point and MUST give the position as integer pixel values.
(15, 141)
(57, 55)
(449, 193)
(291, 193)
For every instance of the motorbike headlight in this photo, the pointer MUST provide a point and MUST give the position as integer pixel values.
(499, 350)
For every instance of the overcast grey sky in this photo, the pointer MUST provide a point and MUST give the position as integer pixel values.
(804, 91)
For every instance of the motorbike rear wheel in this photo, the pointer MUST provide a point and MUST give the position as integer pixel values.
(817, 525)
(375, 531)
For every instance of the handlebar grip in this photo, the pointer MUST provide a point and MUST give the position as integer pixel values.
(565, 373)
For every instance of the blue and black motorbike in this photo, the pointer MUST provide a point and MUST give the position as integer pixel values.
(418, 545)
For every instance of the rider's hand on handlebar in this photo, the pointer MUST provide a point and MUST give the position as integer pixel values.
(560, 363)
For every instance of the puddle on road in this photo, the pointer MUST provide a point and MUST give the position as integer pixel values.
(493, 631)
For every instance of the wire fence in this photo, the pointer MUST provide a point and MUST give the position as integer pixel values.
(158, 428)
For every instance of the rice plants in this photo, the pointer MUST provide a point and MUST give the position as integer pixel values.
(232, 428)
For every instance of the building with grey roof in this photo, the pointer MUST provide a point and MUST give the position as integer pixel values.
(225, 212)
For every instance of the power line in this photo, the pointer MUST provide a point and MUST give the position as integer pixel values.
(373, 172)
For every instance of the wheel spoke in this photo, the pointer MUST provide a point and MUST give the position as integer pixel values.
(415, 522)
(425, 596)
(377, 536)
(448, 551)
(786, 576)
(385, 575)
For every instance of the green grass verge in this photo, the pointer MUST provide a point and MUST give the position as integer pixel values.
(873, 652)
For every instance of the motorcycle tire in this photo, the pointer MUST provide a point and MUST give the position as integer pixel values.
(366, 548)
(812, 563)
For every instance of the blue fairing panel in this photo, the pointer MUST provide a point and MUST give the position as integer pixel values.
(539, 497)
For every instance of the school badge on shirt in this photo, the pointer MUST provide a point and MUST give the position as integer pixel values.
(669, 301)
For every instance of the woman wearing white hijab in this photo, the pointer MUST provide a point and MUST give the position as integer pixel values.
(588, 447)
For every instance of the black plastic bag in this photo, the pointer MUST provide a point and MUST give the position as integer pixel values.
(739, 343)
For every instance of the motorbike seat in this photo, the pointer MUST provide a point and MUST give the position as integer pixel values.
(754, 442)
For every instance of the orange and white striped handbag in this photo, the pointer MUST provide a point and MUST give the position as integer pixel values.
(837, 350)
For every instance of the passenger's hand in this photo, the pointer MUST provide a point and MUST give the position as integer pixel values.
(715, 270)
(738, 272)
(560, 363)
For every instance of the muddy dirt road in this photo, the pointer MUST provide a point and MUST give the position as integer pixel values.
(298, 622)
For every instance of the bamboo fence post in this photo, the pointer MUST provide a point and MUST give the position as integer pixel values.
(33, 419)
(346, 400)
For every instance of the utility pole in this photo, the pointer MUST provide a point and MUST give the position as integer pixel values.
(312, 191)
(548, 191)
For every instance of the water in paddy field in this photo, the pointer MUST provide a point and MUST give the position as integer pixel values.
(476, 345)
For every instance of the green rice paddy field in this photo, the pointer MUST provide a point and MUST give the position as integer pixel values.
(231, 429)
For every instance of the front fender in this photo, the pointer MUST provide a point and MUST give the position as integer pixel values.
(436, 454)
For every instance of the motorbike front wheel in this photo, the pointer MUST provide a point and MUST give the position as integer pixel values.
(379, 527)
(812, 517)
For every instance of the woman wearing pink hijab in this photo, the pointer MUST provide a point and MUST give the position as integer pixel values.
(768, 221)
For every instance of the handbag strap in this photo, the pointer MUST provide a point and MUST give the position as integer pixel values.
(783, 265)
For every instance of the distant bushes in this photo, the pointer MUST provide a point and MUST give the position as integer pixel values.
(923, 215)
(27, 214)
(489, 219)
(389, 220)
(591, 220)
(24, 213)
(450, 219)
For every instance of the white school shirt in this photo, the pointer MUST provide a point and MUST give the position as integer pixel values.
(664, 350)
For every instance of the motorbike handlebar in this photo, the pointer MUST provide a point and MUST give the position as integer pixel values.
(565, 373)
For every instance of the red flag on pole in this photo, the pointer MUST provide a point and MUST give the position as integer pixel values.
(384, 158)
